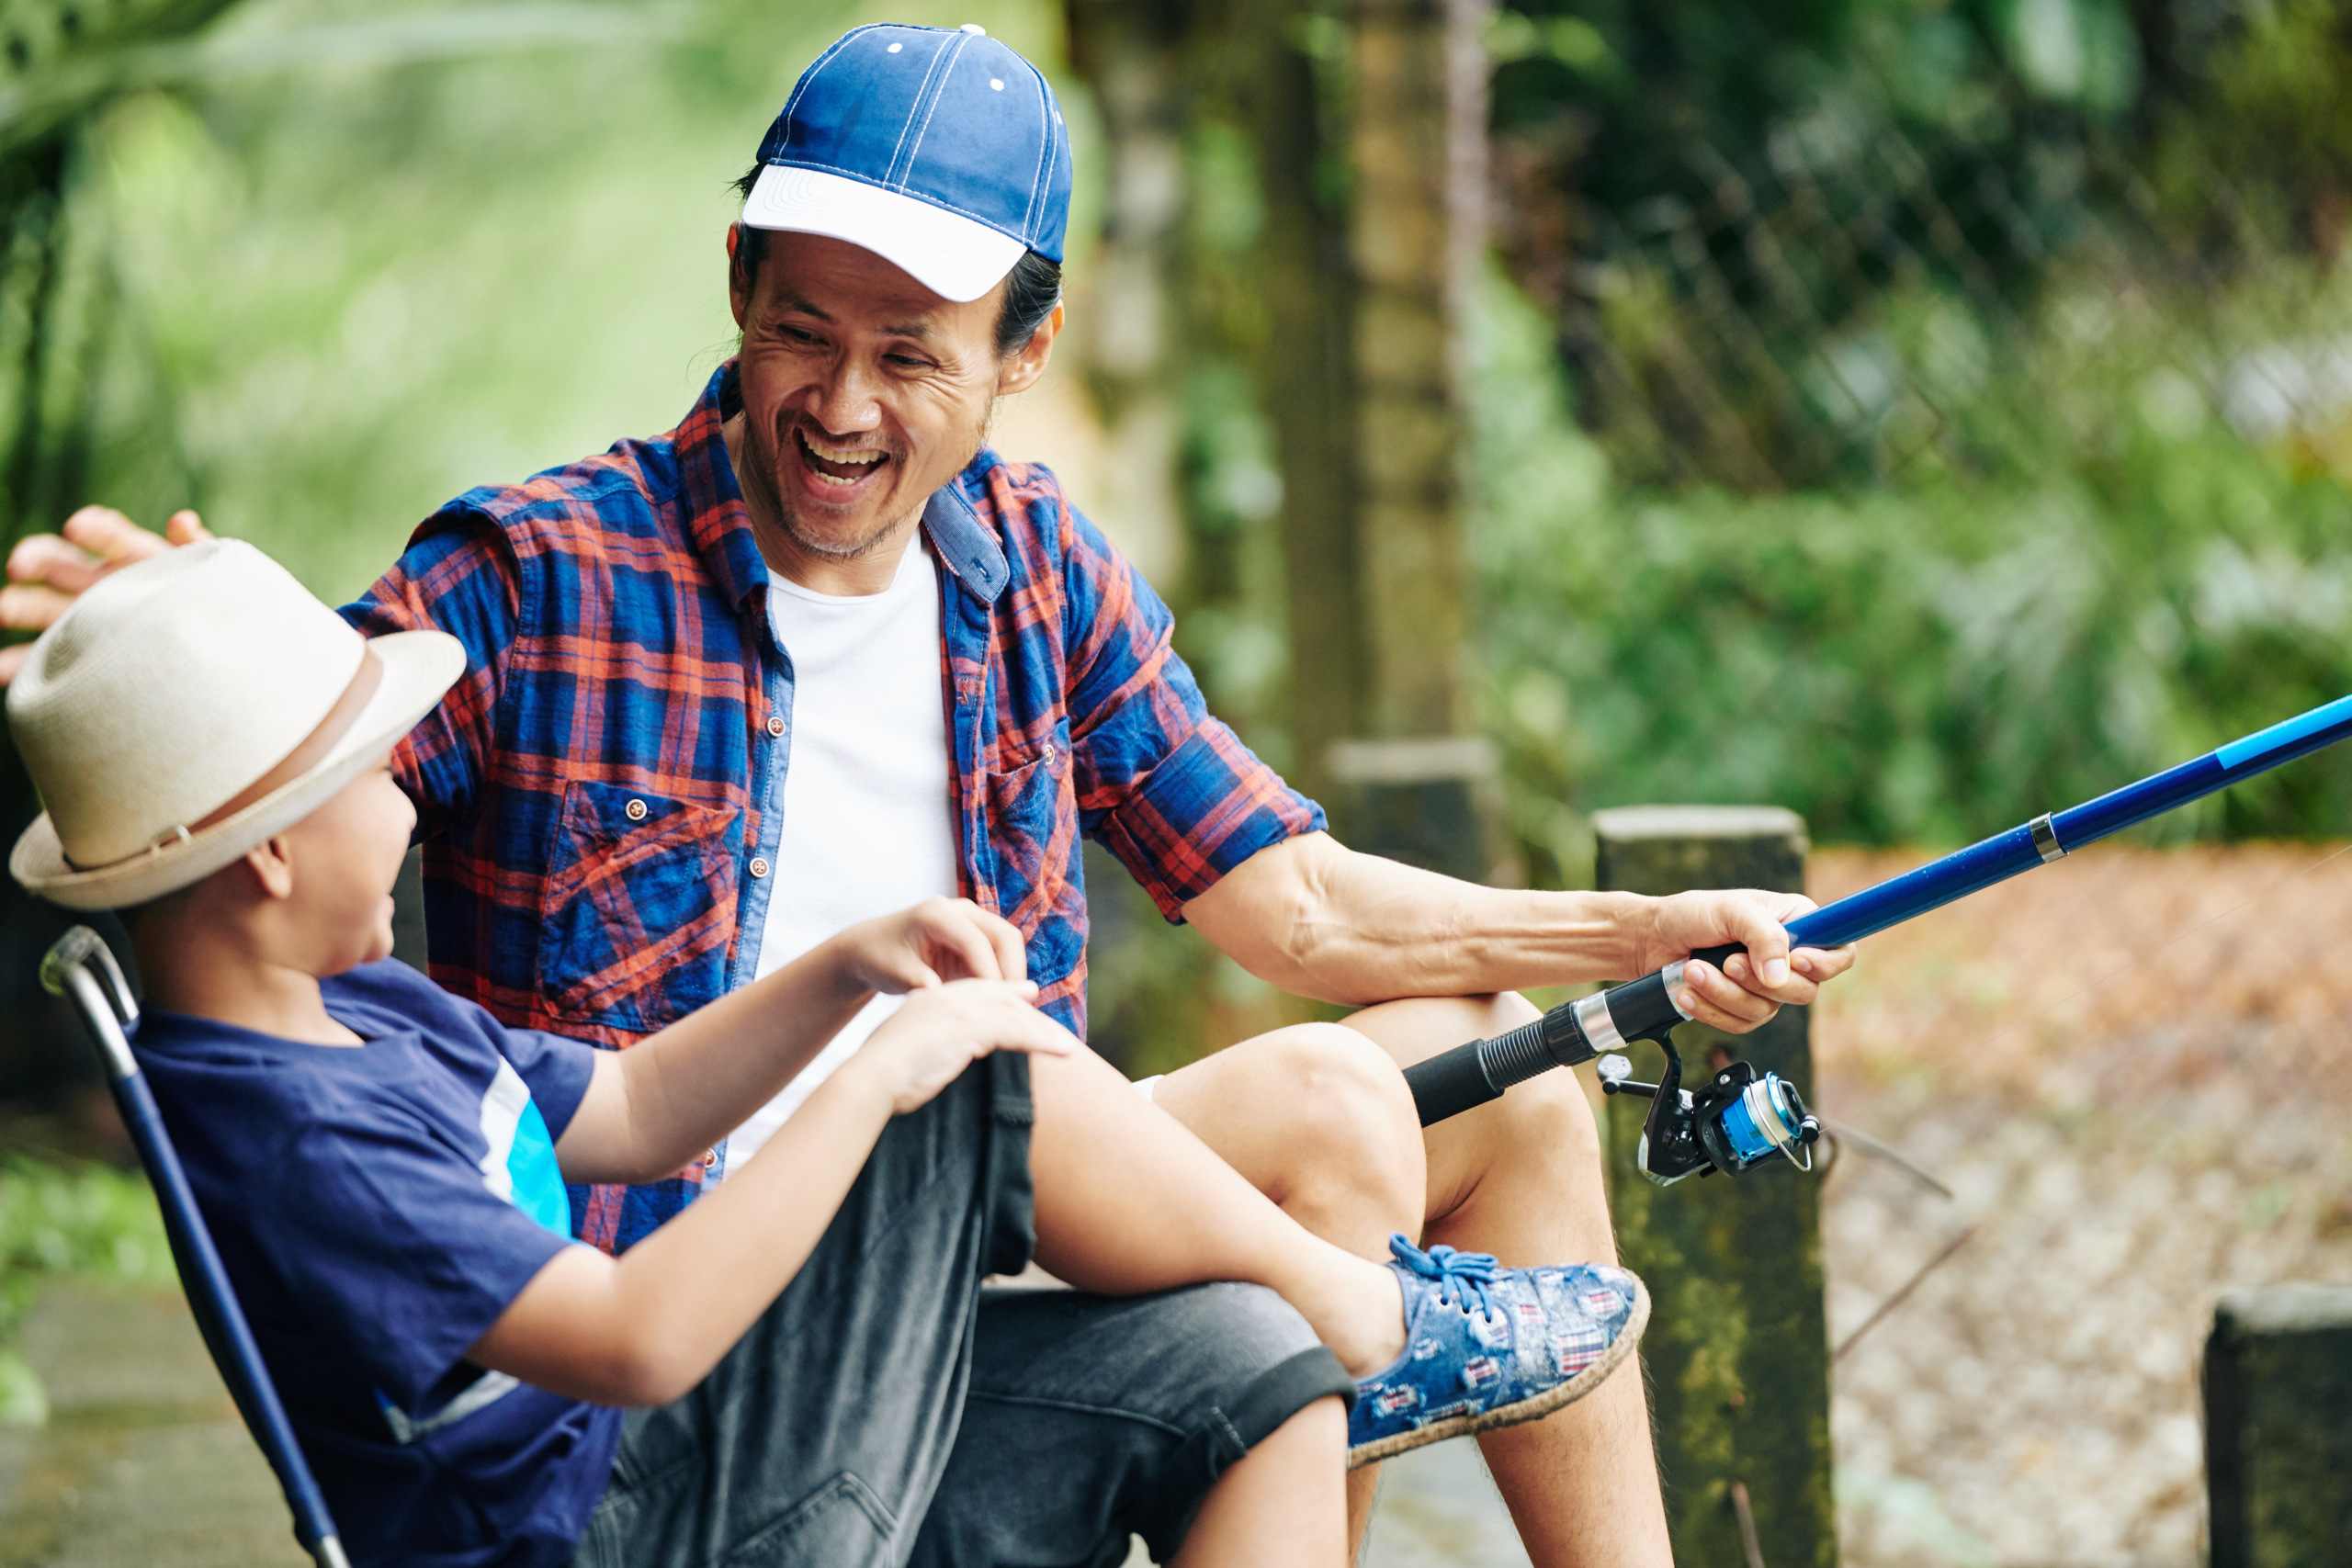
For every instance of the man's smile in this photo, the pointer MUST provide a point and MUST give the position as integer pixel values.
(837, 467)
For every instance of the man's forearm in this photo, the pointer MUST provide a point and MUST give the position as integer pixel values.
(1319, 920)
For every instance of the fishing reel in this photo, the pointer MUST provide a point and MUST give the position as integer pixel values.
(1737, 1122)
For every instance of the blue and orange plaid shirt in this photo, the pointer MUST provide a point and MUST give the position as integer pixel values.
(598, 796)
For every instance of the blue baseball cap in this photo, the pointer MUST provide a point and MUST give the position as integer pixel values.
(939, 150)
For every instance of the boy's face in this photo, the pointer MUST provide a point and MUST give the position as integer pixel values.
(345, 856)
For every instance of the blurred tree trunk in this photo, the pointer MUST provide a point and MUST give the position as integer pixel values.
(1367, 132)
(1125, 332)
(1414, 233)
(1415, 785)
(61, 61)
(1306, 379)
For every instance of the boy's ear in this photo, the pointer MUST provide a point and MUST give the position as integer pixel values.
(272, 865)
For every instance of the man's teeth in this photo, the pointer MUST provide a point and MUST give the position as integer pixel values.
(859, 456)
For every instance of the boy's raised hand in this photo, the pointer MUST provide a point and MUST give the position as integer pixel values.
(937, 940)
(926, 1044)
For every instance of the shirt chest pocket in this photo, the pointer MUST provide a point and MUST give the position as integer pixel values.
(638, 909)
(1032, 833)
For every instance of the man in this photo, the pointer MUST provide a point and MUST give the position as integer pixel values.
(717, 679)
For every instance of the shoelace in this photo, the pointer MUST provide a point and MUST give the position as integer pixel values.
(1461, 1276)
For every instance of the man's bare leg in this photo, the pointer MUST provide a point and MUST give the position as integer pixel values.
(1129, 1200)
(1317, 1118)
(1519, 1178)
(1280, 1506)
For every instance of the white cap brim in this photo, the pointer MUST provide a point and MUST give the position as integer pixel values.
(956, 257)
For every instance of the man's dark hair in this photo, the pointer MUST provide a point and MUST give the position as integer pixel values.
(1033, 289)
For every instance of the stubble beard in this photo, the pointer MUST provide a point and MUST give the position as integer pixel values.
(765, 455)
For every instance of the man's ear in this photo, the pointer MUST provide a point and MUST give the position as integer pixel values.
(1025, 364)
(271, 864)
(739, 293)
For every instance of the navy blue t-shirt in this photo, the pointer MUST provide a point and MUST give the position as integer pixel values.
(377, 1208)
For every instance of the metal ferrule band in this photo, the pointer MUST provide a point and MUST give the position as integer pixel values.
(1600, 1030)
(2045, 839)
(1672, 976)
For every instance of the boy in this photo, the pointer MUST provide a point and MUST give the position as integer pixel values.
(382, 1166)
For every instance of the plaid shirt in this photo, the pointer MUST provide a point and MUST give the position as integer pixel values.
(598, 796)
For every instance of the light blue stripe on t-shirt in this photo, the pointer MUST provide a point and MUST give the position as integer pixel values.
(519, 1165)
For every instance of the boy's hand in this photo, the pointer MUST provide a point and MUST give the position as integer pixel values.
(937, 940)
(926, 1044)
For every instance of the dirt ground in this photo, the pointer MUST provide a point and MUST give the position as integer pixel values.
(2130, 1069)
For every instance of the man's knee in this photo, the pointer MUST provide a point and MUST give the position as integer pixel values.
(1545, 1123)
(1349, 1140)
(1551, 1112)
(1348, 1096)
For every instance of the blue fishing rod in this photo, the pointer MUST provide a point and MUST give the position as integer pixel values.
(1742, 1118)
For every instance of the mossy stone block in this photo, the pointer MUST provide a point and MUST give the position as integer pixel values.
(1738, 1348)
(2278, 1427)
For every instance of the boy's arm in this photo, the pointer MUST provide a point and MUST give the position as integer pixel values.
(646, 1327)
(654, 1107)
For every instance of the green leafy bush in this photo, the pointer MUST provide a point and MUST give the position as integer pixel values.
(1926, 661)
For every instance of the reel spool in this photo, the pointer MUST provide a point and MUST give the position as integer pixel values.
(1736, 1123)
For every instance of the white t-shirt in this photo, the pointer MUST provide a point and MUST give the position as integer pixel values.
(869, 824)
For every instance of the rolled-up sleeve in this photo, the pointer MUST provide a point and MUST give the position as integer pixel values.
(1168, 789)
(458, 576)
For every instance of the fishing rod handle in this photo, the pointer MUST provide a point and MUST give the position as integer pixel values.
(1575, 1031)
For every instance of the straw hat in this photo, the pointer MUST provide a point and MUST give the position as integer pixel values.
(175, 686)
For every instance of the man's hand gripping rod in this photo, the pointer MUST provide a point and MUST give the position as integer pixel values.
(1742, 1119)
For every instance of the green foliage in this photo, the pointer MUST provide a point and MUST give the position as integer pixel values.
(1926, 661)
(349, 259)
(85, 1222)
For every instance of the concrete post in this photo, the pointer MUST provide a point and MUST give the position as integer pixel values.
(2278, 1427)
(1738, 1348)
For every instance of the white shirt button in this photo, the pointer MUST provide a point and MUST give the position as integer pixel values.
(775, 726)
(1047, 756)
(634, 811)
(759, 868)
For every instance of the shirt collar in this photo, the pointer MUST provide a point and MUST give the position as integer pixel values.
(721, 528)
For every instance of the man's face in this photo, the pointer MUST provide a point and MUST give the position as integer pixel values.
(863, 392)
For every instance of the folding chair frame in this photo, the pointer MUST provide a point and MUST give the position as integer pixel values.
(80, 968)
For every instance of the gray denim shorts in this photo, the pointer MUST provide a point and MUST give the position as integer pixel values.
(889, 1408)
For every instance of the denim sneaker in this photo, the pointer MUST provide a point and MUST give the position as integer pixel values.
(1487, 1346)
